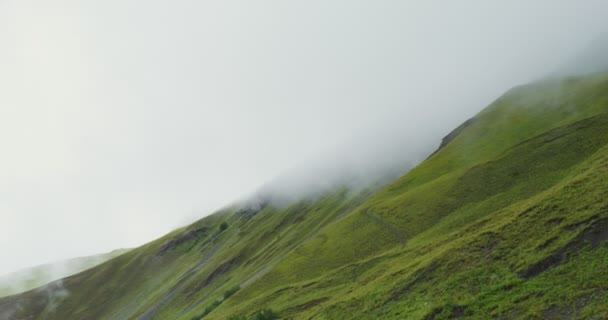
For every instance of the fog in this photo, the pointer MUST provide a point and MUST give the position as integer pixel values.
(122, 120)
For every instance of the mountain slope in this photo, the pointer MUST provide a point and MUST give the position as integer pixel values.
(507, 220)
(30, 278)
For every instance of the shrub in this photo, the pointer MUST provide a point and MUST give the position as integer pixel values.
(266, 314)
(223, 226)
(207, 310)
(231, 291)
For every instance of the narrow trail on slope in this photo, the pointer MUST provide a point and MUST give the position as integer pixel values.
(267, 269)
(131, 307)
(264, 271)
(187, 276)
(124, 312)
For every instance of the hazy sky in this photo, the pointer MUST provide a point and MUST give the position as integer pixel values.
(121, 120)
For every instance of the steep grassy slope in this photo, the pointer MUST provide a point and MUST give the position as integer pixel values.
(507, 220)
(30, 278)
(187, 269)
(507, 164)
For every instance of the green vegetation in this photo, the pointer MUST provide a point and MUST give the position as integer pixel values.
(266, 314)
(223, 226)
(231, 291)
(509, 220)
(216, 303)
(207, 310)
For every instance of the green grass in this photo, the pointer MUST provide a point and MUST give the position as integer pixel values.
(507, 221)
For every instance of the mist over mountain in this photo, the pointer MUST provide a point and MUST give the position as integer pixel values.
(379, 156)
(31, 278)
(122, 123)
(364, 162)
(589, 59)
(507, 219)
(422, 168)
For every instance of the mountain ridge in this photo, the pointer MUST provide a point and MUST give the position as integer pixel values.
(36, 276)
(505, 220)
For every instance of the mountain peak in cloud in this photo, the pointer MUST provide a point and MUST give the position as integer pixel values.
(593, 58)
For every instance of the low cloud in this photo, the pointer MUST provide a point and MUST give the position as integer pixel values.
(133, 127)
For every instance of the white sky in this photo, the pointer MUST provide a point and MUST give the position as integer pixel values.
(121, 120)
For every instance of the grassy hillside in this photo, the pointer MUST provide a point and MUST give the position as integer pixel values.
(507, 220)
(30, 278)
